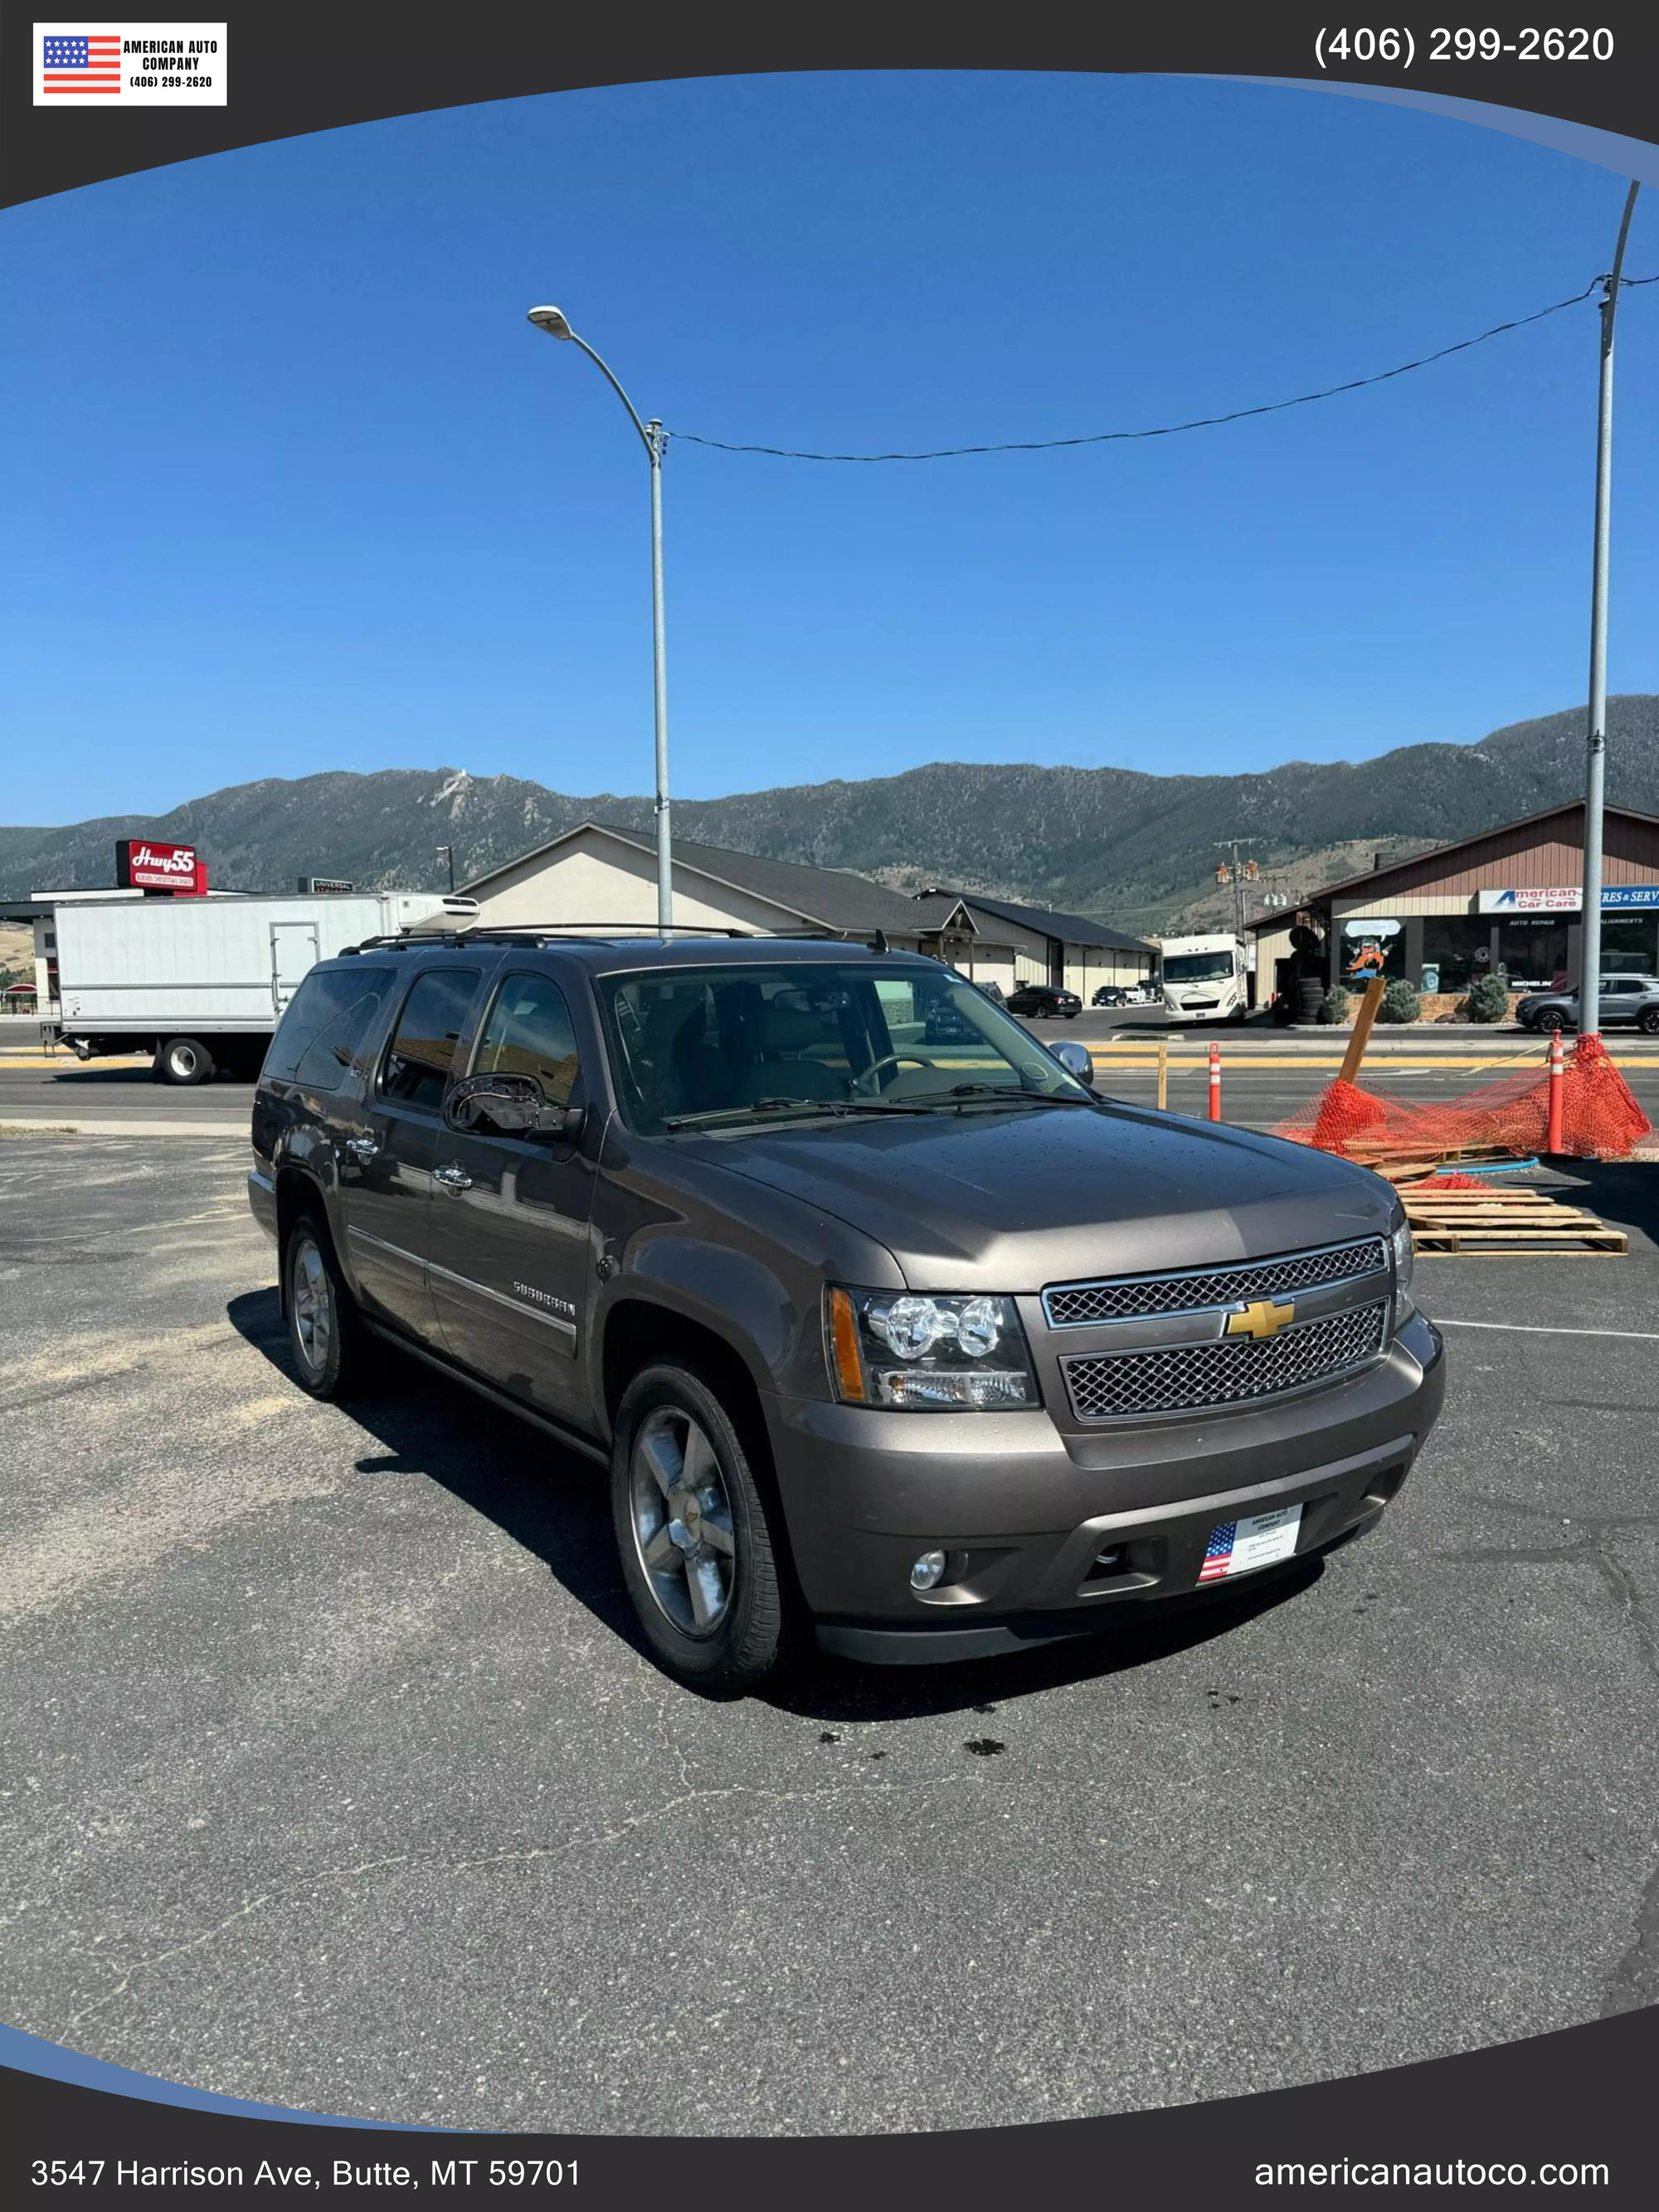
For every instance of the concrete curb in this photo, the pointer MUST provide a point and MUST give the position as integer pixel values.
(29, 1125)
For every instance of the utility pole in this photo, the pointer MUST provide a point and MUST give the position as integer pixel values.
(1589, 966)
(448, 852)
(1233, 872)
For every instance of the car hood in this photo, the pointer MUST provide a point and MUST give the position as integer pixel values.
(1013, 1201)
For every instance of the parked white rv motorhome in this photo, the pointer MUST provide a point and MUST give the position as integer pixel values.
(202, 983)
(1205, 979)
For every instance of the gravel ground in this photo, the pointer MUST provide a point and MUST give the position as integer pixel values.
(330, 1774)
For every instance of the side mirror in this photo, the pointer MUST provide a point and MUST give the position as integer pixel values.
(1077, 1060)
(513, 1105)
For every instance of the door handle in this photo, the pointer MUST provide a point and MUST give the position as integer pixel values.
(453, 1175)
(361, 1148)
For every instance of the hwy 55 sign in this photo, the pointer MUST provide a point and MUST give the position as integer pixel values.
(144, 864)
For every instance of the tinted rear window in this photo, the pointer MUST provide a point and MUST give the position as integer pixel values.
(429, 1028)
(325, 1023)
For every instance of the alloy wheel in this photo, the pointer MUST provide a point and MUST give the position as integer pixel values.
(311, 1295)
(682, 1520)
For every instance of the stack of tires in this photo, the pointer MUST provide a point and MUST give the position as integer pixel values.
(1310, 998)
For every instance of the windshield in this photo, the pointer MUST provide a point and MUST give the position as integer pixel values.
(1197, 968)
(756, 1042)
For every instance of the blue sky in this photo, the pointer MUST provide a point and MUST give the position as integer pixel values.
(290, 484)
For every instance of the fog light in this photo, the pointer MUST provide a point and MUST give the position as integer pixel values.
(928, 1570)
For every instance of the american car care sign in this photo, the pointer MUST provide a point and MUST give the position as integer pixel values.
(145, 864)
(91, 63)
(1568, 898)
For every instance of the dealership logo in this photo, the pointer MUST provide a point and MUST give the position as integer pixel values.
(99, 64)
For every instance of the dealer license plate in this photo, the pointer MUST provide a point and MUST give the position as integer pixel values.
(1256, 1541)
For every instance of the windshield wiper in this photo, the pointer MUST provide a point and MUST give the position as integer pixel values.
(829, 1106)
(1012, 1091)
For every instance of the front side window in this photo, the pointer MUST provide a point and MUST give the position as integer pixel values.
(325, 1023)
(428, 1030)
(529, 1032)
(691, 1045)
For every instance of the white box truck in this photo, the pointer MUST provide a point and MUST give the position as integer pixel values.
(202, 983)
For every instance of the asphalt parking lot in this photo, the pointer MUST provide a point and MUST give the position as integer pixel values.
(332, 1776)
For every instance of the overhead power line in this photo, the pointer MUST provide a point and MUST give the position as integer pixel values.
(1172, 429)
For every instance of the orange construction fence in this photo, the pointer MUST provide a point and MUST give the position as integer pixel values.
(1599, 1118)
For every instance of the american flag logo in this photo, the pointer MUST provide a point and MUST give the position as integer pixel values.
(1220, 1556)
(91, 62)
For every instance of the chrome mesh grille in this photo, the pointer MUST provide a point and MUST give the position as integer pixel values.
(1225, 1371)
(1070, 1306)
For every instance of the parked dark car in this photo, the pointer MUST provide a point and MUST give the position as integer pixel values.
(937, 1354)
(1045, 1000)
(944, 1020)
(1113, 994)
(1627, 1001)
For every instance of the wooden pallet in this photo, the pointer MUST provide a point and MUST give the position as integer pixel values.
(1407, 1167)
(1504, 1224)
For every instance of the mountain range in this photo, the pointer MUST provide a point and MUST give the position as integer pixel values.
(1130, 847)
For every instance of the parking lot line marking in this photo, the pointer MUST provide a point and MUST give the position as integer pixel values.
(1537, 1328)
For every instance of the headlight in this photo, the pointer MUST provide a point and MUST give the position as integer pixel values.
(1405, 1262)
(904, 1348)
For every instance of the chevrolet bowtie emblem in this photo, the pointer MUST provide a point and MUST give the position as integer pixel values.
(1261, 1318)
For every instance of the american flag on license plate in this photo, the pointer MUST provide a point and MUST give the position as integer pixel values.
(1218, 1557)
(89, 62)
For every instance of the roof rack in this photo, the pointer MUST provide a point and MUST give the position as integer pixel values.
(611, 929)
(599, 933)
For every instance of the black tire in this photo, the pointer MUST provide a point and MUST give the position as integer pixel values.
(743, 1642)
(183, 1061)
(1648, 1021)
(332, 1365)
(1552, 1018)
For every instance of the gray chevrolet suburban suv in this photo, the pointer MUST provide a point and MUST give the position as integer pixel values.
(914, 1339)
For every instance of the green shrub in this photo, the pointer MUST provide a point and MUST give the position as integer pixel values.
(1400, 1002)
(1489, 999)
(1336, 1005)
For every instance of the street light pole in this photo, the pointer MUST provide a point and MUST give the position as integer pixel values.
(654, 439)
(1590, 965)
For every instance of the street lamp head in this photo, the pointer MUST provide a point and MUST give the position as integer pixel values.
(552, 321)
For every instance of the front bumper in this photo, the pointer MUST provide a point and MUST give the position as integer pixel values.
(1025, 1510)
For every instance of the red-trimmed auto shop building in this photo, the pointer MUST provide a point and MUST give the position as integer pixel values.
(1507, 901)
